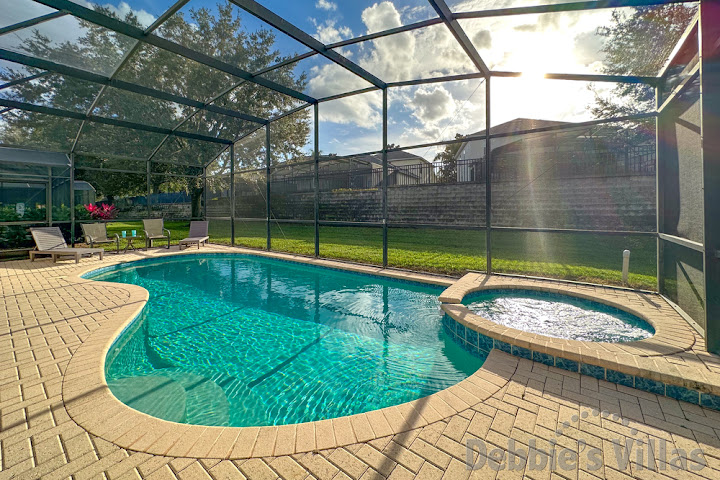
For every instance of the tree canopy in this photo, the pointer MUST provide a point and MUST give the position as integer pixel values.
(638, 43)
(220, 34)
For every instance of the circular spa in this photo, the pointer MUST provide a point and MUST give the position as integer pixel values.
(235, 340)
(557, 315)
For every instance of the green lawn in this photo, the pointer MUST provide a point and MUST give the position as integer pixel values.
(583, 257)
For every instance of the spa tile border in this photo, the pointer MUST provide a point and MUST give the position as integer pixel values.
(478, 344)
(91, 404)
(651, 364)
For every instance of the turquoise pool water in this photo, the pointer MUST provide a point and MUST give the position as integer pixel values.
(239, 340)
(560, 316)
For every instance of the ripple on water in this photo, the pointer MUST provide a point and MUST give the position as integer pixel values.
(254, 341)
(559, 316)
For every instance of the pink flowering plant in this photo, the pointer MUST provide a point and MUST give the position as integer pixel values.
(103, 212)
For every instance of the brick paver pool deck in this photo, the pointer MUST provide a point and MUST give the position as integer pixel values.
(58, 420)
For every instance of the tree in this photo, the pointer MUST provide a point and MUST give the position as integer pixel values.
(448, 161)
(638, 43)
(219, 34)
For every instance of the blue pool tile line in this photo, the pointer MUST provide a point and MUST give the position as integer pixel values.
(480, 345)
(133, 263)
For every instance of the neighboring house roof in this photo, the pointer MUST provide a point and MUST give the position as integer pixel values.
(376, 158)
(519, 125)
(34, 157)
(516, 125)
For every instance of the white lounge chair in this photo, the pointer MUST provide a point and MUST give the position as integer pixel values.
(50, 241)
(198, 234)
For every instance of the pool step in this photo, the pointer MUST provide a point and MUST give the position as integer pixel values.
(206, 400)
(158, 396)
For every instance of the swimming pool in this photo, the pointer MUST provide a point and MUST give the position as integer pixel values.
(237, 340)
(559, 316)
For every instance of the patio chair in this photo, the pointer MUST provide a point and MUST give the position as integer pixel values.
(154, 230)
(198, 234)
(50, 241)
(97, 233)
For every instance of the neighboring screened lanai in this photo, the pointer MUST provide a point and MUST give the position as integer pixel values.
(528, 137)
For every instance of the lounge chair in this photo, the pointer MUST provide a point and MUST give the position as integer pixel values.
(198, 234)
(155, 230)
(96, 233)
(50, 241)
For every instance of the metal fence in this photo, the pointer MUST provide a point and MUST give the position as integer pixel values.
(631, 160)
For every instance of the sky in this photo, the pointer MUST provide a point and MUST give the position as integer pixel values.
(564, 42)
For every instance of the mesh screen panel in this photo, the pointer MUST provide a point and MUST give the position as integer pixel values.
(219, 230)
(250, 194)
(596, 178)
(682, 279)
(575, 256)
(439, 186)
(682, 164)
(358, 244)
(292, 194)
(251, 233)
(440, 250)
(350, 189)
(293, 238)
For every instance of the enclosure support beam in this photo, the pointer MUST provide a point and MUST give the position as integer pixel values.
(126, 58)
(583, 77)
(564, 7)
(385, 178)
(710, 124)
(488, 195)
(58, 112)
(267, 185)
(257, 10)
(204, 195)
(659, 194)
(316, 148)
(119, 26)
(111, 81)
(564, 126)
(148, 170)
(32, 22)
(168, 13)
(48, 197)
(20, 81)
(72, 199)
(232, 195)
(457, 31)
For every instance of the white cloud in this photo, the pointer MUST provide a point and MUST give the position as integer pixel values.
(363, 110)
(428, 112)
(326, 5)
(424, 53)
(381, 16)
(482, 39)
(587, 48)
(63, 29)
(432, 104)
(330, 79)
(122, 9)
(327, 32)
(563, 42)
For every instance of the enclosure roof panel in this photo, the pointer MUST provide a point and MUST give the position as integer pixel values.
(34, 157)
(215, 70)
